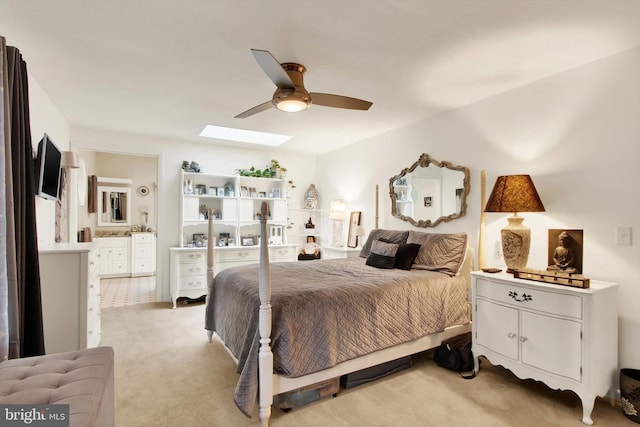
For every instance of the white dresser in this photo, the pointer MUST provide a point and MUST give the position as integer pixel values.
(189, 265)
(563, 336)
(70, 288)
(143, 254)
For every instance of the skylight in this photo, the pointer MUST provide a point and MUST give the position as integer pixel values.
(241, 135)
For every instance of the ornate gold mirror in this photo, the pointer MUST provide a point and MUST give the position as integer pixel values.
(429, 192)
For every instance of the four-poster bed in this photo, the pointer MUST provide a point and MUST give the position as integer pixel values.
(329, 318)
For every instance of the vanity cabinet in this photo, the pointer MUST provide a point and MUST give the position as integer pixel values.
(563, 336)
(70, 293)
(143, 254)
(114, 256)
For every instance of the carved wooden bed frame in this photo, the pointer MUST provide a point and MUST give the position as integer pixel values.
(271, 383)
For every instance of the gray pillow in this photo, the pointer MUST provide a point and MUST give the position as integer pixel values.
(383, 254)
(394, 236)
(439, 252)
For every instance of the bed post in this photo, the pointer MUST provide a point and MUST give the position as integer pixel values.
(265, 356)
(211, 244)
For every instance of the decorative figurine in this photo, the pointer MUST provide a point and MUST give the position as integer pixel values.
(309, 224)
(311, 250)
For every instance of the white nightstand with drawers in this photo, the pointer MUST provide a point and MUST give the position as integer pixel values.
(564, 336)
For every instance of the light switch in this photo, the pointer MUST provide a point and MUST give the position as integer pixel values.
(623, 236)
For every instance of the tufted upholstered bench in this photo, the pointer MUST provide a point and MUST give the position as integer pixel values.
(82, 379)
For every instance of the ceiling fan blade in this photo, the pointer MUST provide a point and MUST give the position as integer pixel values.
(339, 101)
(272, 68)
(255, 110)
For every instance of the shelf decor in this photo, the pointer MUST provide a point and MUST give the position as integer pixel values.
(311, 197)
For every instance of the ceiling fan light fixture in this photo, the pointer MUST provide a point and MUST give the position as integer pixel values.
(291, 105)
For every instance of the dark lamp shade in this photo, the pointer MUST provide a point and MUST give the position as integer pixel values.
(514, 193)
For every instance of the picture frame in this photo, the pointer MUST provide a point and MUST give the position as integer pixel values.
(220, 191)
(262, 194)
(277, 193)
(354, 222)
(253, 192)
(199, 239)
(201, 189)
(244, 191)
(212, 191)
(247, 241)
(428, 201)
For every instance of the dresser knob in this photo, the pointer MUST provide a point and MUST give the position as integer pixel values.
(511, 335)
(523, 339)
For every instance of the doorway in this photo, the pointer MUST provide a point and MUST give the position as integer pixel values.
(121, 277)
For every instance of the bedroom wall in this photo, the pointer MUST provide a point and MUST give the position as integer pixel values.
(576, 134)
(45, 117)
(171, 153)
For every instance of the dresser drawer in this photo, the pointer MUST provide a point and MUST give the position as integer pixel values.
(119, 267)
(287, 253)
(143, 238)
(192, 283)
(192, 269)
(239, 255)
(523, 297)
(142, 265)
(93, 263)
(142, 250)
(192, 256)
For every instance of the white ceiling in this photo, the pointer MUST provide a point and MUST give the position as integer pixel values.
(167, 68)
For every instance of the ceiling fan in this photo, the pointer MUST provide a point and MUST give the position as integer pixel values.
(291, 95)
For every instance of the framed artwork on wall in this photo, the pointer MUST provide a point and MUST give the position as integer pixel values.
(354, 222)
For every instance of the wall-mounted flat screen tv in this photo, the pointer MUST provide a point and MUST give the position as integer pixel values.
(48, 168)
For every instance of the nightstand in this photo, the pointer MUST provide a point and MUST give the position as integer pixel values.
(563, 336)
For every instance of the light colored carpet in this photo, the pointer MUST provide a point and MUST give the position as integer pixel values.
(168, 374)
(121, 291)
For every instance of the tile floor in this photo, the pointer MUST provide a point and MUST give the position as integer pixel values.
(121, 291)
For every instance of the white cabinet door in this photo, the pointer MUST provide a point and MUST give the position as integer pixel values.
(497, 328)
(551, 344)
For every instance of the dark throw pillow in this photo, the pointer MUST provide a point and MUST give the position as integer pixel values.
(406, 255)
(383, 254)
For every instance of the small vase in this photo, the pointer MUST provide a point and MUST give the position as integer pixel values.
(188, 186)
(311, 197)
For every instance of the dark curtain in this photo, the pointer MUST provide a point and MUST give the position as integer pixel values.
(31, 334)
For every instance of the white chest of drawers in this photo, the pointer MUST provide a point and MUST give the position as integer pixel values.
(563, 336)
(189, 265)
(70, 288)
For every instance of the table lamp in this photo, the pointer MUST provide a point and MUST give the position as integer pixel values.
(337, 215)
(515, 193)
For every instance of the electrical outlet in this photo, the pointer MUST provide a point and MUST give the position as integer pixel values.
(623, 236)
(497, 248)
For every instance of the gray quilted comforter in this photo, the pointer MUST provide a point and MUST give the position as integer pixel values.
(326, 312)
